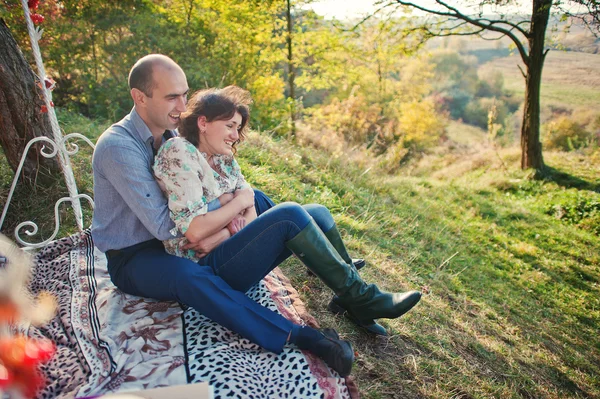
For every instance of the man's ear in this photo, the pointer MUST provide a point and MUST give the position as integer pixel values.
(139, 98)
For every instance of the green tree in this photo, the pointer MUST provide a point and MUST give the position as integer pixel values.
(528, 35)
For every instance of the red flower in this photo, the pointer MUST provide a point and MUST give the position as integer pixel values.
(37, 18)
(19, 358)
(44, 109)
(33, 4)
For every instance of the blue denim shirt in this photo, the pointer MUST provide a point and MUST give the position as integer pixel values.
(129, 205)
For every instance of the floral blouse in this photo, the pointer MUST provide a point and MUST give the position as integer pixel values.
(190, 183)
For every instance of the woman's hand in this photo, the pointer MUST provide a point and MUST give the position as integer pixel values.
(238, 223)
(245, 196)
(203, 226)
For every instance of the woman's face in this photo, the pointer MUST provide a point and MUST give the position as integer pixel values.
(218, 137)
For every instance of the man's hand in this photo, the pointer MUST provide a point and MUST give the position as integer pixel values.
(236, 224)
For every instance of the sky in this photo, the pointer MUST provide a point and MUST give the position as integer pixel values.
(342, 9)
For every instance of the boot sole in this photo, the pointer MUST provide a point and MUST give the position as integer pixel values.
(345, 372)
(372, 328)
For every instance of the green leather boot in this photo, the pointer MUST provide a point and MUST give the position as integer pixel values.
(362, 303)
(334, 237)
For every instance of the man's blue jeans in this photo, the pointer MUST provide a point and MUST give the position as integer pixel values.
(216, 286)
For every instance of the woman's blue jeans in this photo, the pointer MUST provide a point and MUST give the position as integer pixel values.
(249, 255)
(218, 291)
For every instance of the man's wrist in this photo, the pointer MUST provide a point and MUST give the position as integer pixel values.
(214, 205)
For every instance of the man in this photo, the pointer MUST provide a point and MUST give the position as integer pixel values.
(131, 218)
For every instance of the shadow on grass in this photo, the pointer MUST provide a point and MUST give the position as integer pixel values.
(567, 180)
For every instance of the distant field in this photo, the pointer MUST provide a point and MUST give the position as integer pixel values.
(464, 134)
(569, 79)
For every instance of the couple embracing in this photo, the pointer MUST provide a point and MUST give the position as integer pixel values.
(178, 221)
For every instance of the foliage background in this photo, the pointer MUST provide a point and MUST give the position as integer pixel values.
(412, 144)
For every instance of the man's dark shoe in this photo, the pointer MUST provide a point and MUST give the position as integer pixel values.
(359, 263)
(337, 353)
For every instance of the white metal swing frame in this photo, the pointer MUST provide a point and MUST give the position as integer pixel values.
(58, 144)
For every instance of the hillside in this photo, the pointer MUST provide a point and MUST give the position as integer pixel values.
(510, 277)
(512, 297)
(569, 79)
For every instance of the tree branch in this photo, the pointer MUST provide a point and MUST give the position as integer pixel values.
(522, 71)
(362, 21)
(453, 12)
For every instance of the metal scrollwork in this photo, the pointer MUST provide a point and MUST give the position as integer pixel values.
(49, 150)
(34, 227)
(75, 147)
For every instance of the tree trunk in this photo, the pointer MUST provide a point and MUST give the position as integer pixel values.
(21, 118)
(531, 148)
(291, 72)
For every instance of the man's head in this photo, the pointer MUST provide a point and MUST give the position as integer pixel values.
(159, 90)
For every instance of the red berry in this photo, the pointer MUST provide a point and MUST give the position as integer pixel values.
(51, 103)
(44, 109)
(37, 18)
(31, 353)
(33, 4)
(6, 378)
(50, 83)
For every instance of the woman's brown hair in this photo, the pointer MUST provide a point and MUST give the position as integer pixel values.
(215, 105)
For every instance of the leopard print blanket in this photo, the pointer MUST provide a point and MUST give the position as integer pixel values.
(108, 341)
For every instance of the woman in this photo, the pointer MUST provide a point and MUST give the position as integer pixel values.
(199, 167)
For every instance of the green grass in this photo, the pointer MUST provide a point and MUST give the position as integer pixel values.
(512, 302)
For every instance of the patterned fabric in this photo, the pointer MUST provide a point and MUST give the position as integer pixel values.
(238, 368)
(108, 341)
(190, 183)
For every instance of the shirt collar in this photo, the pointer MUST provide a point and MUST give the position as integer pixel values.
(140, 126)
(144, 131)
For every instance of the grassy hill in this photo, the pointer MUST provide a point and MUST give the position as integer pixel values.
(512, 293)
(512, 298)
(569, 79)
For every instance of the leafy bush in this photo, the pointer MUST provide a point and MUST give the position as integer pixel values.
(420, 125)
(565, 134)
(393, 158)
(579, 209)
(353, 118)
(477, 112)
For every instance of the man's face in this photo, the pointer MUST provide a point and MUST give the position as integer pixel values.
(169, 97)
